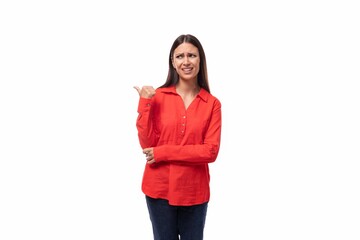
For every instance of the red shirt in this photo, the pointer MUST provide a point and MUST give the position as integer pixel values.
(184, 142)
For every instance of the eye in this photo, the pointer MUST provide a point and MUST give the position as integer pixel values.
(179, 56)
(192, 55)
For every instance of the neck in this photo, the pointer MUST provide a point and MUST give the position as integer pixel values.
(187, 88)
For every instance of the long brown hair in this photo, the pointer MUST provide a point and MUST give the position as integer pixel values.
(173, 77)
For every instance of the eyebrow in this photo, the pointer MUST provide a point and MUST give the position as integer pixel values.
(193, 53)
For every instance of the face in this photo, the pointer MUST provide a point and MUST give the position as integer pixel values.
(186, 61)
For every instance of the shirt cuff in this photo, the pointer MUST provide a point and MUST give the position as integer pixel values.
(144, 104)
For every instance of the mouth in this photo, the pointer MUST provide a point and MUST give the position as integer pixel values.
(187, 69)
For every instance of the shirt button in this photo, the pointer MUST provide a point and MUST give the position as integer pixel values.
(184, 116)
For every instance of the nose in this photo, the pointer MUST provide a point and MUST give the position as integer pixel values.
(186, 60)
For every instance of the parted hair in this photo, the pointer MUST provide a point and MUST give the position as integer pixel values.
(173, 77)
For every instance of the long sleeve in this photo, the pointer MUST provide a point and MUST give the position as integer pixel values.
(145, 123)
(206, 152)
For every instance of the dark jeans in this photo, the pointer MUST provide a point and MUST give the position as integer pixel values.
(170, 222)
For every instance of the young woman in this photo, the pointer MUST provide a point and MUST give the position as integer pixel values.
(179, 128)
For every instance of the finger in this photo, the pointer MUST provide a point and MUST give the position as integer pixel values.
(137, 89)
(151, 161)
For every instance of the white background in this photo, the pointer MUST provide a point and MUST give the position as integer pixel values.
(286, 72)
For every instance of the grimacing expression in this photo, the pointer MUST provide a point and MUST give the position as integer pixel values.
(186, 61)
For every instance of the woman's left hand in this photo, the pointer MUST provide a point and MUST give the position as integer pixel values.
(149, 153)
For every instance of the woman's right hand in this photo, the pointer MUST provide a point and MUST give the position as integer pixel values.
(145, 91)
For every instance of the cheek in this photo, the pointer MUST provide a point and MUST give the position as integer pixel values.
(176, 66)
(196, 63)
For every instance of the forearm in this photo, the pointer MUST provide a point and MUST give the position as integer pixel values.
(191, 154)
(144, 124)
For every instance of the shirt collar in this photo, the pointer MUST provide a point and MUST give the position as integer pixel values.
(203, 94)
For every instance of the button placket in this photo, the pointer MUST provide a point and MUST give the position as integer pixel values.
(183, 125)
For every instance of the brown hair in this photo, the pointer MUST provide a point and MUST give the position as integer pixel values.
(173, 77)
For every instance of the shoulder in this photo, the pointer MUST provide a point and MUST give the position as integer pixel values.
(163, 94)
(208, 97)
(165, 90)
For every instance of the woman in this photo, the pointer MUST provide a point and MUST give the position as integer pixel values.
(179, 128)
